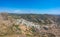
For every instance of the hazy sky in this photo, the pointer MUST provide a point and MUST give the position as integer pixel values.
(30, 6)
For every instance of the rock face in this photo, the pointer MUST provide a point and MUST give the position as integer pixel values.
(29, 25)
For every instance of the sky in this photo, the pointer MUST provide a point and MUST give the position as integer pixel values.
(30, 6)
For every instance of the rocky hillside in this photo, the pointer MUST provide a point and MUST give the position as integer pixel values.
(29, 25)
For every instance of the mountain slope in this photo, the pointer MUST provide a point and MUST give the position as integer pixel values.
(29, 25)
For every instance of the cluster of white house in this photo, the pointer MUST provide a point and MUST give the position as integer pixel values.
(27, 23)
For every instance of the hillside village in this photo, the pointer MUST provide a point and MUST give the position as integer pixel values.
(10, 26)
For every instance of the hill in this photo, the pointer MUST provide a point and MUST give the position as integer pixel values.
(29, 25)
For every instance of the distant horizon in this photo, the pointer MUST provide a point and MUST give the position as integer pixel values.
(30, 13)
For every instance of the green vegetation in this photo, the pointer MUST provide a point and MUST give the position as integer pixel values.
(33, 29)
(34, 18)
(28, 34)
